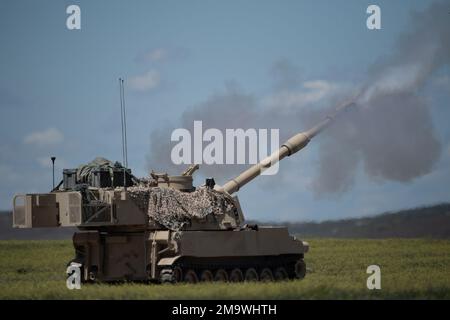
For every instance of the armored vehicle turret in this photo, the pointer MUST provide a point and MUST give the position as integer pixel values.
(163, 228)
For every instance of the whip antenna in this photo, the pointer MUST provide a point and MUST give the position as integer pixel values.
(125, 125)
(124, 131)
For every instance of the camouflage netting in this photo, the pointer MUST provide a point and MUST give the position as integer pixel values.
(84, 171)
(174, 209)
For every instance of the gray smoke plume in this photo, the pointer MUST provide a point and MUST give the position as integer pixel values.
(231, 109)
(390, 133)
(228, 110)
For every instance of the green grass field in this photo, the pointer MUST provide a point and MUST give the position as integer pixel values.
(410, 269)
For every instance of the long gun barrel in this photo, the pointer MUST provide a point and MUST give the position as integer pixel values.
(291, 146)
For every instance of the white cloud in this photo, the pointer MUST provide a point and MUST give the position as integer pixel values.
(159, 55)
(320, 85)
(47, 137)
(156, 54)
(146, 82)
(311, 92)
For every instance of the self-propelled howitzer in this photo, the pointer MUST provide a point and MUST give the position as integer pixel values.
(163, 228)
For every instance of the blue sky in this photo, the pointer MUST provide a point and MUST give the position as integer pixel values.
(59, 89)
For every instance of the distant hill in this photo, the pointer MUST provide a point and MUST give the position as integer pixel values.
(424, 222)
(431, 221)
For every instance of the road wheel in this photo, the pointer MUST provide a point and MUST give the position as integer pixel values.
(171, 275)
(177, 275)
(300, 269)
(166, 276)
(206, 276)
(251, 275)
(190, 276)
(221, 275)
(281, 274)
(266, 275)
(92, 276)
(236, 275)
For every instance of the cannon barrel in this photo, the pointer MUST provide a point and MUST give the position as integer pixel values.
(288, 148)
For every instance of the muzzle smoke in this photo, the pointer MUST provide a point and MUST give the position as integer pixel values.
(390, 133)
